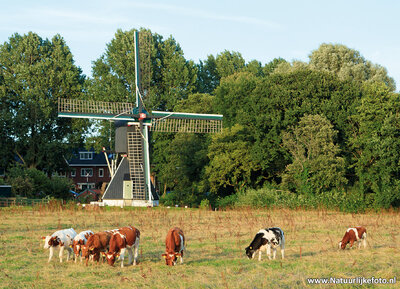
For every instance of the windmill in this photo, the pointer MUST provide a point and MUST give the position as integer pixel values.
(131, 184)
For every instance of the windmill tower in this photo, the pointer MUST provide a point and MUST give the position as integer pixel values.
(130, 184)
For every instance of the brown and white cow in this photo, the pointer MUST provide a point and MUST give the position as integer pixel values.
(124, 239)
(352, 235)
(62, 239)
(174, 246)
(80, 240)
(97, 243)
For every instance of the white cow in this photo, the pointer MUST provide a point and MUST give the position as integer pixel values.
(80, 240)
(62, 239)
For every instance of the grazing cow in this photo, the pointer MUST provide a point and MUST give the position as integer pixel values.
(97, 243)
(62, 239)
(175, 244)
(358, 234)
(80, 240)
(124, 239)
(266, 239)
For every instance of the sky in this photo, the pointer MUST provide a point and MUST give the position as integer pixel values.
(259, 30)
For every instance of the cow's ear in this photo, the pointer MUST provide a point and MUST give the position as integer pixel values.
(43, 238)
(117, 255)
(251, 248)
(178, 254)
(91, 248)
(71, 246)
(102, 253)
(164, 255)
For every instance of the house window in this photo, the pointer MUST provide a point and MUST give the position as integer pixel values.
(73, 173)
(84, 186)
(86, 155)
(86, 172)
(101, 173)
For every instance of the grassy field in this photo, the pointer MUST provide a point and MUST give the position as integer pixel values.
(215, 248)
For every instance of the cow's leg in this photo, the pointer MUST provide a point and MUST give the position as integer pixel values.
(283, 253)
(121, 256)
(274, 252)
(136, 251)
(130, 255)
(51, 249)
(259, 254)
(70, 253)
(181, 257)
(269, 251)
(61, 253)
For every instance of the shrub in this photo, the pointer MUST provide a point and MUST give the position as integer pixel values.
(205, 204)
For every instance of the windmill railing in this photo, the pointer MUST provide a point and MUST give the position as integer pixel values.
(79, 107)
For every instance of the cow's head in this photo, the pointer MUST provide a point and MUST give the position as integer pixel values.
(51, 242)
(76, 246)
(345, 241)
(111, 257)
(250, 252)
(170, 259)
(46, 242)
(85, 251)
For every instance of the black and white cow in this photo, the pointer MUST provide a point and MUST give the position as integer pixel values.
(266, 239)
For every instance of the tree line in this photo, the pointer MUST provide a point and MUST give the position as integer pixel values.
(319, 133)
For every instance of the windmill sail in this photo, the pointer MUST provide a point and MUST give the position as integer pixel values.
(161, 121)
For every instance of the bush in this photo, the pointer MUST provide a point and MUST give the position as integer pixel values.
(269, 197)
(205, 204)
(226, 202)
(32, 183)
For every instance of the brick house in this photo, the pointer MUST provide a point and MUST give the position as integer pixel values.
(89, 170)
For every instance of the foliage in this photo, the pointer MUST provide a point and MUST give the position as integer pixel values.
(231, 166)
(376, 145)
(32, 183)
(270, 197)
(316, 166)
(348, 63)
(34, 73)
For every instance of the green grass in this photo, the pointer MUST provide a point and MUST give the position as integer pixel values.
(215, 248)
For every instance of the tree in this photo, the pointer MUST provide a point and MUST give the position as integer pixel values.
(316, 166)
(376, 146)
(231, 166)
(348, 63)
(208, 77)
(228, 63)
(34, 73)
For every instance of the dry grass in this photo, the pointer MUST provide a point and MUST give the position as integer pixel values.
(215, 248)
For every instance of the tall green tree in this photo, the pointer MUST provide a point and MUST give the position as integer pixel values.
(34, 73)
(376, 145)
(348, 63)
(316, 165)
(231, 166)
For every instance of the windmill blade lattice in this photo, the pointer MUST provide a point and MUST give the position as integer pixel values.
(94, 109)
(187, 123)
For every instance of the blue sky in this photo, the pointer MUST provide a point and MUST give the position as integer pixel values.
(260, 30)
